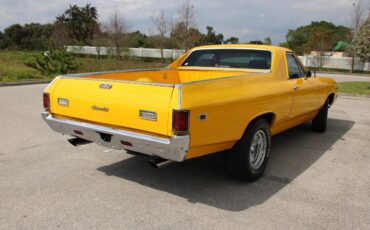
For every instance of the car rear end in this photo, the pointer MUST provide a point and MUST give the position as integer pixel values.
(139, 116)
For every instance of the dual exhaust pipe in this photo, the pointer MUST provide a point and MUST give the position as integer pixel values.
(156, 162)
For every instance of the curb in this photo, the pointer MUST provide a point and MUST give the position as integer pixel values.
(346, 74)
(354, 95)
(2, 84)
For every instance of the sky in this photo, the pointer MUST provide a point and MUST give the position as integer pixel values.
(246, 19)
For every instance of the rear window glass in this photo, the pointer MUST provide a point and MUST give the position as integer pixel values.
(230, 58)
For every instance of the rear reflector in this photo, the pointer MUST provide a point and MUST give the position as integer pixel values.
(78, 132)
(126, 143)
(180, 122)
(46, 100)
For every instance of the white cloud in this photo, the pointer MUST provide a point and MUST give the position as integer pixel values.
(246, 19)
(245, 31)
(320, 5)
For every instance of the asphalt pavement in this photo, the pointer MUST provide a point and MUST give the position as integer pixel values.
(313, 181)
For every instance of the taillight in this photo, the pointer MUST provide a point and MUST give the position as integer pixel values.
(46, 101)
(180, 122)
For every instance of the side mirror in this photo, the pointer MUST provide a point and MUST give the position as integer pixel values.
(308, 74)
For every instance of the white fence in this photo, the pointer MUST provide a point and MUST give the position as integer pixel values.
(334, 62)
(132, 52)
(309, 61)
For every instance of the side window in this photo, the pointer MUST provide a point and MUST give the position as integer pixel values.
(294, 69)
(206, 59)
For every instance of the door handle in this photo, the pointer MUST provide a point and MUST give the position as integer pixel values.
(296, 87)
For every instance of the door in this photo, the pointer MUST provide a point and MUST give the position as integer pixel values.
(305, 89)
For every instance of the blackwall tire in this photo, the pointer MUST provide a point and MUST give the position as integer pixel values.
(320, 121)
(248, 159)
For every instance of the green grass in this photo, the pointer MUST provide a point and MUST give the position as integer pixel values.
(12, 67)
(92, 64)
(355, 87)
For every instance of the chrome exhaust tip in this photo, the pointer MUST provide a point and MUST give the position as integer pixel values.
(158, 162)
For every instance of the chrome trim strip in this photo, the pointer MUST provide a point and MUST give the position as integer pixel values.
(122, 81)
(168, 85)
(112, 71)
(179, 98)
(82, 75)
(173, 148)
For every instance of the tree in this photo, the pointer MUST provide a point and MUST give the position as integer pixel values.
(15, 34)
(99, 40)
(33, 36)
(185, 22)
(195, 37)
(117, 29)
(232, 40)
(257, 42)
(362, 41)
(357, 15)
(54, 62)
(81, 22)
(298, 39)
(3, 41)
(211, 37)
(267, 41)
(162, 26)
(319, 41)
(137, 39)
(60, 36)
(36, 36)
(357, 20)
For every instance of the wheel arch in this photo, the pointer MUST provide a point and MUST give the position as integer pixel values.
(331, 98)
(268, 116)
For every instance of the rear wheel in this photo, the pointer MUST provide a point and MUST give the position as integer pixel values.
(319, 122)
(248, 159)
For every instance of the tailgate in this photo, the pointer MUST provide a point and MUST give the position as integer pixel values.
(113, 103)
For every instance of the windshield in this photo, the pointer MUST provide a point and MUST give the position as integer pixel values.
(230, 58)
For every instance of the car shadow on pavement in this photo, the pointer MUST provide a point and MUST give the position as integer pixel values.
(204, 180)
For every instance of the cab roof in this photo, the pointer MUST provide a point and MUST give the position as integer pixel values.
(243, 46)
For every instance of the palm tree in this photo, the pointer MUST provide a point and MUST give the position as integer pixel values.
(90, 15)
(80, 21)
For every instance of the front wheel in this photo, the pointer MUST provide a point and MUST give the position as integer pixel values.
(248, 159)
(319, 122)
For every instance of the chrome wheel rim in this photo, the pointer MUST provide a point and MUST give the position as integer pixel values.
(257, 151)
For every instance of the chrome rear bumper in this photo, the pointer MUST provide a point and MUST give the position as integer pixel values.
(173, 148)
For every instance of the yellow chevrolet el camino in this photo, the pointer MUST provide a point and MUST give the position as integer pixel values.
(230, 98)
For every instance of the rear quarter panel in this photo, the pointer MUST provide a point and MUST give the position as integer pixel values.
(230, 104)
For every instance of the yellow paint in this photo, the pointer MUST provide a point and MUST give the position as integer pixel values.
(123, 101)
(230, 103)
